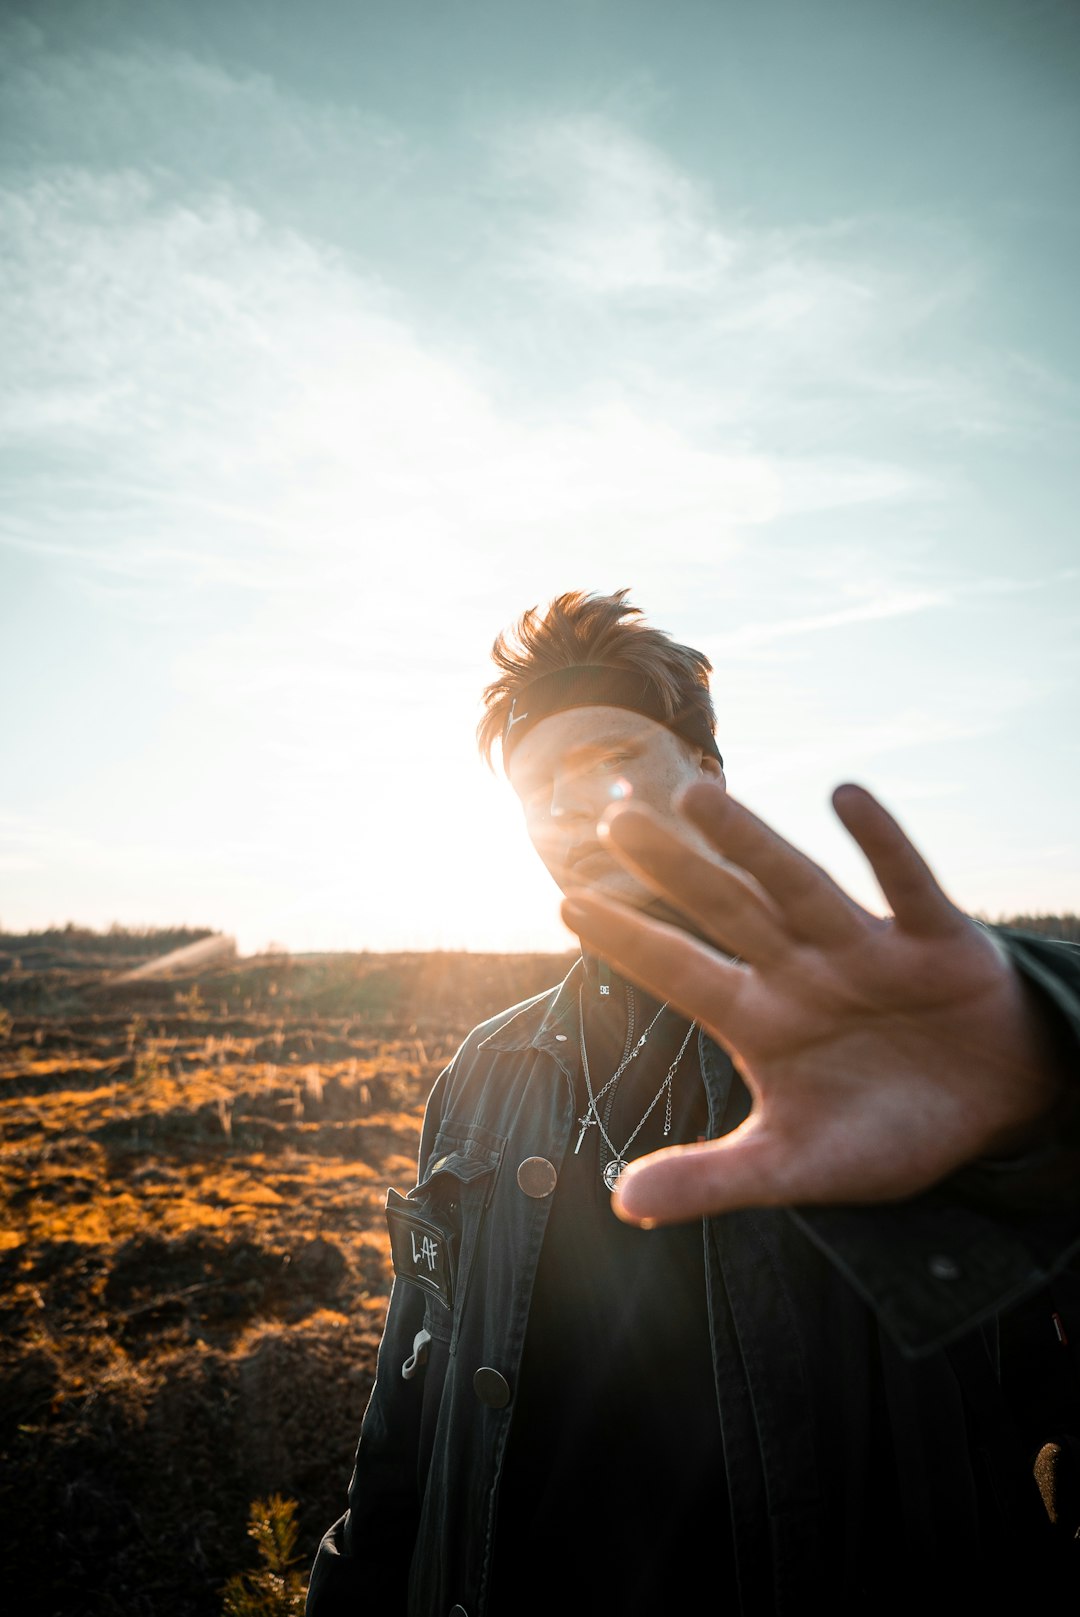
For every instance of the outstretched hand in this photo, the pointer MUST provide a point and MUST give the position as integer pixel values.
(880, 1054)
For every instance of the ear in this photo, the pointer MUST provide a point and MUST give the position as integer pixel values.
(713, 768)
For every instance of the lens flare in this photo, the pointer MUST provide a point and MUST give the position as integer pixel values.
(620, 790)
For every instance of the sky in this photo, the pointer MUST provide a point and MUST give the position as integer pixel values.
(336, 336)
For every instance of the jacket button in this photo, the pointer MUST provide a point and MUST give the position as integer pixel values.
(537, 1176)
(491, 1388)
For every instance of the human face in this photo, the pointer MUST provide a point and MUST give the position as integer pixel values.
(572, 766)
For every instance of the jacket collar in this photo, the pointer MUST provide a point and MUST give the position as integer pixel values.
(550, 1022)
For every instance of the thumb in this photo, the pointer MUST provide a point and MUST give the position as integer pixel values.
(687, 1181)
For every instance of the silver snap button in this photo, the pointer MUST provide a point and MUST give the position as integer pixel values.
(942, 1267)
(491, 1388)
(560, 1038)
(537, 1177)
(458, 1611)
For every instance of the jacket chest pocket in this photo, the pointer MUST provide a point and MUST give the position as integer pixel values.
(434, 1230)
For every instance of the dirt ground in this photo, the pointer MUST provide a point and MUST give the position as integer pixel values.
(193, 1256)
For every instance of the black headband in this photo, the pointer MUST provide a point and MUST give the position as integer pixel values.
(590, 685)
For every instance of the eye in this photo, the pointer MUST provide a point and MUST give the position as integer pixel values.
(536, 796)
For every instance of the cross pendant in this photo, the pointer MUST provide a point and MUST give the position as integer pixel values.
(586, 1123)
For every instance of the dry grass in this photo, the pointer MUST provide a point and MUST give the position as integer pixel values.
(193, 1257)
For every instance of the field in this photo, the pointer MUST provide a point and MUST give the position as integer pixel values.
(193, 1259)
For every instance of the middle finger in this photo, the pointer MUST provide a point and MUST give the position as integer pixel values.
(721, 901)
(814, 908)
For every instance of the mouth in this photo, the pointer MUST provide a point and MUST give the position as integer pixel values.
(590, 867)
(582, 860)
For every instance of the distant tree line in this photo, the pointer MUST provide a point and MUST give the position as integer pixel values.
(1066, 928)
(123, 941)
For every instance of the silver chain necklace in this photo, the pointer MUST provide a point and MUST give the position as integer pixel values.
(628, 1044)
(592, 1116)
(612, 1085)
(614, 1168)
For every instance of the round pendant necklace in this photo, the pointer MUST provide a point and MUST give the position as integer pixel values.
(617, 1164)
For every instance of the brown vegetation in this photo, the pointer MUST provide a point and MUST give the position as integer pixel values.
(193, 1257)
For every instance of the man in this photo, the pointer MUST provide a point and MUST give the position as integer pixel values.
(696, 1289)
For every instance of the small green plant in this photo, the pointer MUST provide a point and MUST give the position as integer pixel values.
(276, 1589)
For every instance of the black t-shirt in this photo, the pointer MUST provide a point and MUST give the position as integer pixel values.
(613, 1484)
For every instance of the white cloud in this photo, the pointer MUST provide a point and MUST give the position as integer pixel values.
(606, 214)
(832, 326)
(220, 399)
(900, 604)
(226, 402)
(182, 118)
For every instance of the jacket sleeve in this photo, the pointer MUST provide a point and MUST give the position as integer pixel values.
(935, 1266)
(362, 1564)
